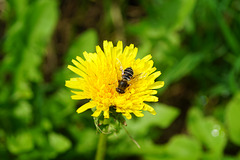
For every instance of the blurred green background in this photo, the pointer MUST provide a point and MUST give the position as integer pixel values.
(195, 43)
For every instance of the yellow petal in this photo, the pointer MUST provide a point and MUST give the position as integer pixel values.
(131, 46)
(80, 95)
(138, 113)
(77, 71)
(96, 113)
(150, 92)
(75, 84)
(80, 60)
(154, 76)
(125, 53)
(149, 109)
(147, 92)
(119, 47)
(77, 79)
(151, 99)
(127, 115)
(85, 107)
(133, 54)
(106, 114)
(152, 70)
(153, 112)
(156, 85)
(78, 65)
(86, 56)
(147, 58)
(107, 47)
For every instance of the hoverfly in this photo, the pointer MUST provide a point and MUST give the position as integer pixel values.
(123, 83)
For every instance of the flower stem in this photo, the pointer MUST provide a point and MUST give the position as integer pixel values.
(102, 145)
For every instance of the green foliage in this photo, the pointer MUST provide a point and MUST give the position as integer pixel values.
(182, 68)
(20, 143)
(232, 116)
(58, 142)
(209, 132)
(195, 44)
(85, 42)
(183, 147)
(164, 117)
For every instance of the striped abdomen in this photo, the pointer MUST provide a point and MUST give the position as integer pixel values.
(127, 74)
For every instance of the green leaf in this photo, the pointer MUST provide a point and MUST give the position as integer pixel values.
(232, 119)
(25, 44)
(39, 26)
(19, 6)
(208, 131)
(46, 124)
(59, 142)
(173, 13)
(226, 30)
(234, 74)
(82, 141)
(23, 111)
(164, 17)
(185, 66)
(164, 117)
(182, 147)
(126, 147)
(22, 142)
(41, 21)
(230, 158)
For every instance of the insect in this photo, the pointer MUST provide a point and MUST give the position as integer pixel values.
(123, 84)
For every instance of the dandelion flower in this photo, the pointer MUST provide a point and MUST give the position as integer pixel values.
(100, 74)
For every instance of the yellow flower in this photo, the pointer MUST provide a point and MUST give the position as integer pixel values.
(100, 74)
